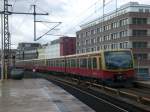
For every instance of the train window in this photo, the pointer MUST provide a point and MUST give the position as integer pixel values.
(43, 62)
(94, 62)
(47, 62)
(68, 63)
(62, 63)
(89, 63)
(83, 62)
(77, 62)
(52, 63)
(57, 63)
(73, 64)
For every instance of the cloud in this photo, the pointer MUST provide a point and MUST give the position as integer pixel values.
(71, 12)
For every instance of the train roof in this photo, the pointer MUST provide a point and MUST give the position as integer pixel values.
(79, 55)
(94, 53)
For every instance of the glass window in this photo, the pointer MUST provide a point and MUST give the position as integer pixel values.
(83, 62)
(89, 63)
(146, 10)
(139, 32)
(94, 63)
(142, 72)
(98, 30)
(68, 63)
(73, 63)
(139, 44)
(118, 59)
(139, 20)
(140, 10)
(140, 56)
(77, 62)
(92, 32)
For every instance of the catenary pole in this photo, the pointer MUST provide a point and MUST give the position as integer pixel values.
(2, 53)
(6, 36)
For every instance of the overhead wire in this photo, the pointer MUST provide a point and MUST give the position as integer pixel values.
(13, 5)
(81, 14)
(74, 27)
(22, 22)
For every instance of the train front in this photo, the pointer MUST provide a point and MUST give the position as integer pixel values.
(118, 67)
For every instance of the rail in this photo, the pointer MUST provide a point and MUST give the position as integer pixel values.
(137, 98)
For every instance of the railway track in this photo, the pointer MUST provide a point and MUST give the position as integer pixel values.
(133, 101)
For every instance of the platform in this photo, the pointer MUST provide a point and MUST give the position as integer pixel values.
(37, 95)
(145, 84)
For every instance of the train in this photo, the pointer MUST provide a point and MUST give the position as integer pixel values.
(112, 67)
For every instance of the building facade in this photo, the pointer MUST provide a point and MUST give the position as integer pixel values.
(126, 28)
(27, 51)
(59, 47)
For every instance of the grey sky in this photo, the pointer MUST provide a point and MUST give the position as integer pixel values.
(70, 12)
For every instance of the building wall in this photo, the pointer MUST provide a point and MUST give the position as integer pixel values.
(128, 28)
(27, 51)
(59, 47)
(67, 46)
(52, 51)
(41, 53)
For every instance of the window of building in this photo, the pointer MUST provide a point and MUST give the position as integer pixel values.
(121, 45)
(140, 10)
(125, 45)
(101, 39)
(142, 73)
(114, 46)
(139, 56)
(105, 38)
(87, 50)
(139, 44)
(139, 32)
(104, 27)
(86, 42)
(105, 47)
(98, 39)
(78, 44)
(114, 25)
(98, 30)
(101, 29)
(122, 34)
(92, 41)
(114, 35)
(139, 20)
(86, 34)
(92, 32)
(98, 48)
(147, 10)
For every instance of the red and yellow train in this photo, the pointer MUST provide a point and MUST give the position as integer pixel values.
(113, 67)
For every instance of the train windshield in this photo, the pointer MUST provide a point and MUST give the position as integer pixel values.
(118, 60)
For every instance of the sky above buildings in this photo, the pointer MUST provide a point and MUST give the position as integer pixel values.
(72, 13)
